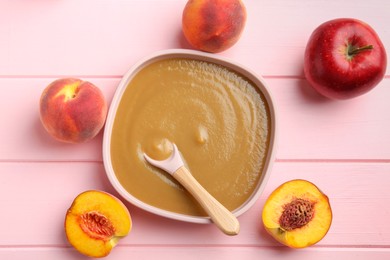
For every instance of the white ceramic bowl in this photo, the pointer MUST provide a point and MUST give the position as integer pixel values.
(196, 55)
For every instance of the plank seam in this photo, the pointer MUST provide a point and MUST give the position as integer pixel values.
(278, 160)
(120, 76)
(317, 160)
(354, 247)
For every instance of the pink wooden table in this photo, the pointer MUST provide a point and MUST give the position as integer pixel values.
(343, 147)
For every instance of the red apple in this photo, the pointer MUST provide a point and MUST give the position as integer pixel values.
(72, 110)
(344, 58)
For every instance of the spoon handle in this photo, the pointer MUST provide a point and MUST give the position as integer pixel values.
(221, 216)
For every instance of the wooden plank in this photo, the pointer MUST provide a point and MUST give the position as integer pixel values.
(22, 135)
(196, 253)
(65, 39)
(343, 147)
(316, 128)
(35, 196)
(309, 126)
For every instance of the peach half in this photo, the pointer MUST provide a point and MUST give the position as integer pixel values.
(213, 25)
(72, 110)
(95, 222)
(297, 214)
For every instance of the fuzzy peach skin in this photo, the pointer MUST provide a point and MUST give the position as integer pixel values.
(213, 25)
(72, 110)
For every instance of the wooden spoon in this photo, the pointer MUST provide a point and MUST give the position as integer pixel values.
(221, 216)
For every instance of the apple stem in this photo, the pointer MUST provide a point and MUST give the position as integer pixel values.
(352, 50)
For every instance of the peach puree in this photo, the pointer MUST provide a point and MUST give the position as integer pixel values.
(218, 120)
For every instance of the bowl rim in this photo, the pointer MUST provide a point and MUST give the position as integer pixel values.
(197, 55)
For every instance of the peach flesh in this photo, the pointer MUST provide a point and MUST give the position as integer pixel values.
(297, 214)
(95, 222)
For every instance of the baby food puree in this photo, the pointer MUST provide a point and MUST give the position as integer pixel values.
(218, 119)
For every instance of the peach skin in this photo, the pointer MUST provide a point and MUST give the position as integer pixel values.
(72, 110)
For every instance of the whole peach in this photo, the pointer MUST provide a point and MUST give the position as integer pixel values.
(213, 25)
(72, 110)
